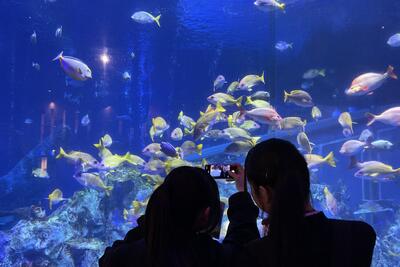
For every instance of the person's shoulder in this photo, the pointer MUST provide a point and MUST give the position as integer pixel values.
(123, 253)
(257, 244)
(356, 227)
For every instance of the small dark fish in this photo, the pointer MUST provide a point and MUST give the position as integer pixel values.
(168, 149)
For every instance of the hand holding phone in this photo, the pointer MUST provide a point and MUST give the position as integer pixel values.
(238, 176)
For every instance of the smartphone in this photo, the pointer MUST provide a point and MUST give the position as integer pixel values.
(220, 171)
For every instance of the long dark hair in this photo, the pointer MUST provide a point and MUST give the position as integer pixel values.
(172, 213)
(279, 165)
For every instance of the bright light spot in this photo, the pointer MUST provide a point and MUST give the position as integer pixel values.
(52, 105)
(105, 58)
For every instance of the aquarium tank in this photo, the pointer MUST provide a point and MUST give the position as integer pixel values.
(101, 99)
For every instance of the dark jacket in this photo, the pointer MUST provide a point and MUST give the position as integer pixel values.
(242, 214)
(328, 243)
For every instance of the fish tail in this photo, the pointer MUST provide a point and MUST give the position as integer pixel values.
(390, 72)
(100, 144)
(282, 6)
(262, 78)
(239, 101)
(248, 101)
(291, 45)
(285, 96)
(157, 20)
(188, 132)
(61, 154)
(304, 125)
(322, 72)
(108, 190)
(330, 159)
(60, 56)
(371, 118)
(199, 149)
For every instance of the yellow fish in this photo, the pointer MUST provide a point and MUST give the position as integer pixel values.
(94, 181)
(78, 156)
(103, 151)
(159, 126)
(249, 81)
(316, 113)
(257, 103)
(346, 122)
(330, 201)
(114, 161)
(55, 197)
(314, 160)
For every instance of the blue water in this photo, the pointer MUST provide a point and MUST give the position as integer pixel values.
(173, 69)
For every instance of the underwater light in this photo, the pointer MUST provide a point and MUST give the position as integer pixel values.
(105, 58)
(52, 105)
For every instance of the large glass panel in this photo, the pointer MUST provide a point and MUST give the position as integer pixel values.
(90, 89)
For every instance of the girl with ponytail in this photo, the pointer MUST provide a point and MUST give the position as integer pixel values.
(296, 234)
(176, 228)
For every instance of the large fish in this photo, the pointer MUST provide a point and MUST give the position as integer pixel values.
(144, 17)
(353, 147)
(390, 117)
(264, 116)
(366, 83)
(74, 67)
(299, 97)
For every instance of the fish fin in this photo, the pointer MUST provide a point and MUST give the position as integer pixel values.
(125, 214)
(180, 115)
(375, 174)
(209, 108)
(370, 93)
(199, 149)
(322, 72)
(230, 121)
(60, 56)
(239, 102)
(390, 72)
(304, 125)
(285, 96)
(61, 154)
(371, 118)
(248, 101)
(282, 6)
(219, 107)
(262, 78)
(255, 139)
(330, 159)
(201, 113)
(50, 204)
(157, 20)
